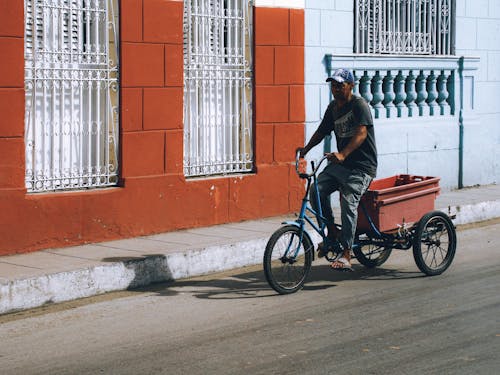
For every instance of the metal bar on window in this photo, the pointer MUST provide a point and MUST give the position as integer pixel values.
(415, 27)
(217, 69)
(357, 30)
(436, 25)
(71, 93)
(450, 51)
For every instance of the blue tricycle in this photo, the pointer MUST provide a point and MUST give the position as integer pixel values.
(289, 252)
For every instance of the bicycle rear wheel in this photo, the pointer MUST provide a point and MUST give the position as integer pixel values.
(434, 243)
(371, 255)
(287, 259)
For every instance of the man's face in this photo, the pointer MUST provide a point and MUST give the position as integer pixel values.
(341, 91)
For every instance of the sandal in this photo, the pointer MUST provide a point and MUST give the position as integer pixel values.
(342, 264)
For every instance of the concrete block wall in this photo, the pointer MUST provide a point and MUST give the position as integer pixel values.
(425, 146)
(153, 195)
(329, 26)
(279, 93)
(478, 34)
(279, 80)
(11, 95)
(151, 87)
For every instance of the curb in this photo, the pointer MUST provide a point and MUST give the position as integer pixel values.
(472, 213)
(59, 287)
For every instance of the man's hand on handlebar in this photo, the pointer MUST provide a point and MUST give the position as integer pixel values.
(301, 151)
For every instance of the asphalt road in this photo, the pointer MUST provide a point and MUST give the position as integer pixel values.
(390, 320)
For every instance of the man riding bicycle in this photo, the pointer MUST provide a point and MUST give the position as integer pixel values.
(351, 169)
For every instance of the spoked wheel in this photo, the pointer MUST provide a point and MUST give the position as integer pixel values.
(371, 255)
(287, 259)
(434, 243)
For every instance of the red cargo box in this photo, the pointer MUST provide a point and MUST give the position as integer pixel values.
(393, 200)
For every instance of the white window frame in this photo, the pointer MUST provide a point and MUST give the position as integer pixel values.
(217, 87)
(71, 79)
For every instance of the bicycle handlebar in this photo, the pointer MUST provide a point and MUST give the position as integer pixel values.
(314, 169)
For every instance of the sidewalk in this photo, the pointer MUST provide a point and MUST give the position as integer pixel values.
(57, 275)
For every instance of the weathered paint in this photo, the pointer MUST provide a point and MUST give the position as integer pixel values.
(425, 145)
(153, 196)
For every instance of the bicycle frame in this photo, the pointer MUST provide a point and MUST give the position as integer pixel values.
(303, 218)
(301, 221)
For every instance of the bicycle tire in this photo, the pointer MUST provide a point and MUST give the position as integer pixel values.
(371, 255)
(435, 238)
(287, 275)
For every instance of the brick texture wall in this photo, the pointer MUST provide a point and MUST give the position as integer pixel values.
(151, 87)
(11, 95)
(153, 195)
(279, 92)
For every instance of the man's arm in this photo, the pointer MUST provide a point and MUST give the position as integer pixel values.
(315, 140)
(356, 141)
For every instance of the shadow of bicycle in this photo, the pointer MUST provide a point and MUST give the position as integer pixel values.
(253, 284)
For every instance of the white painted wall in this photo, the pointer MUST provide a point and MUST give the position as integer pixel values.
(426, 146)
(298, 4)
(478, 33)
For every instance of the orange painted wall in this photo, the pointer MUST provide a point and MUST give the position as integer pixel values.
(153, 195)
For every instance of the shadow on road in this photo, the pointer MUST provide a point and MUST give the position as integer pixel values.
(254, 285)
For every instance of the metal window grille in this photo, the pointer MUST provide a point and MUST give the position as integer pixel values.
(71, 79)
(217, 87)
(412, 27)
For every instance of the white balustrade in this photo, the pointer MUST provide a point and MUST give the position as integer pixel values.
(397, 86)
(422, 94)
(432, 93)
(365, 86)
(378, 94)
(443, 94)
(411, 93)
(400, 97)
(389, 95)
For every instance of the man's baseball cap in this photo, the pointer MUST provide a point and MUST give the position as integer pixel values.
(341, 75)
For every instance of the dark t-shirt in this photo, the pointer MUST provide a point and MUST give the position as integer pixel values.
(344, 123)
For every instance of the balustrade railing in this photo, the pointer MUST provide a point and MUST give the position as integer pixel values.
(398, 86)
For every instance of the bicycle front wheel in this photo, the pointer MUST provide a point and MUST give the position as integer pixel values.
(287, 259)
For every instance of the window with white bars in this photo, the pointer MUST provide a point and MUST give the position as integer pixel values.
(71, 80)
(217, 87)
(409, 27)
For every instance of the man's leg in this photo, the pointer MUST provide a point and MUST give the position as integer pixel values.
(351, 192)
(327, 184)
